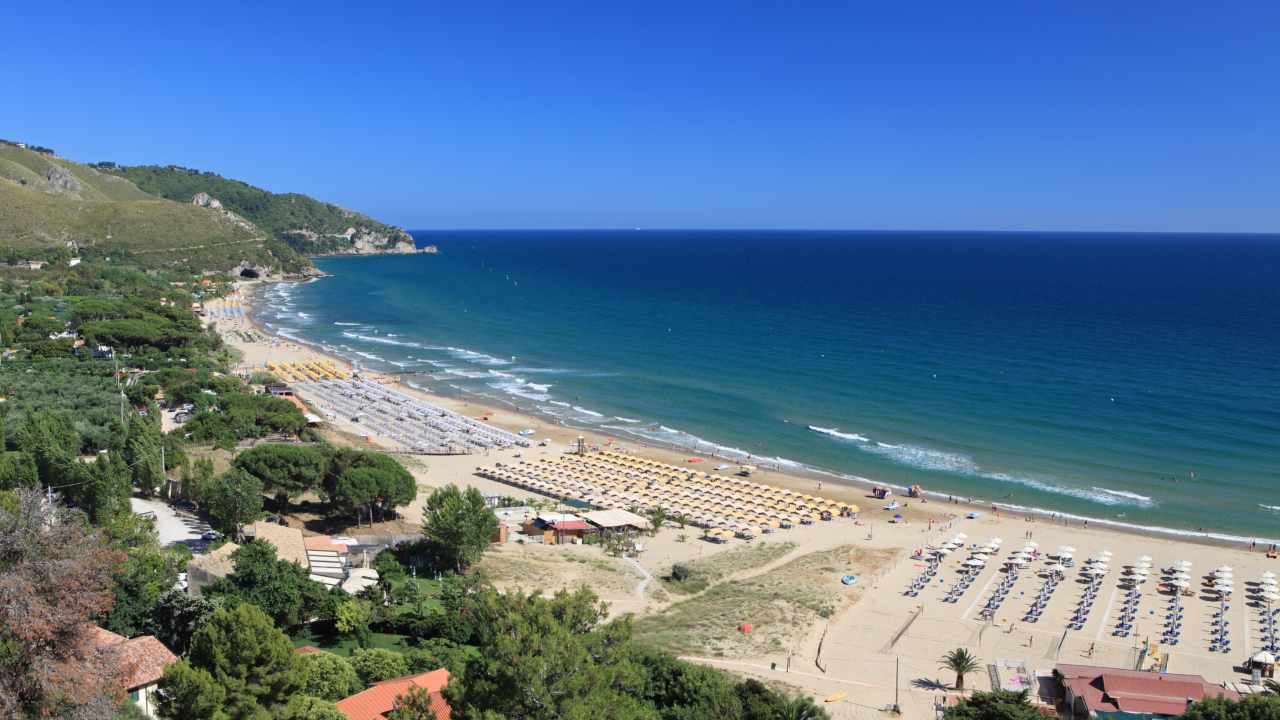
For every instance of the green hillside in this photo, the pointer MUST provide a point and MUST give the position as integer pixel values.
(306, 224)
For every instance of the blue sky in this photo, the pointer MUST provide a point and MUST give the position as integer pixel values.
(1083, 115)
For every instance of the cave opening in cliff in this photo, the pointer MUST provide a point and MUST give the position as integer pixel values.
(249, 273)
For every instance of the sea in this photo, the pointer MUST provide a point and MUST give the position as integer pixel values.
(1132, 379)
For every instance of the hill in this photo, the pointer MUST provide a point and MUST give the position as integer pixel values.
(307, 225)
(49, 202)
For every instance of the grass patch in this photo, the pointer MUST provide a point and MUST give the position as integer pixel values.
(781, 604)
(704, 572)
(346, 646)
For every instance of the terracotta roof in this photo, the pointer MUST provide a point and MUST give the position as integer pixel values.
(287, 541)
(324, 542)
(378, 700)
(1134, 691)
(306, 650)
(567, 525)
(217, 563)
(144, 656)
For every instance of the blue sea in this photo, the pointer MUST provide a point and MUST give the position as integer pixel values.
(1130, 378)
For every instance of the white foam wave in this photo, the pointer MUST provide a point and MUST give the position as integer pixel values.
(584, 411)
(347, 324)
(833, 432)
(383, 340)
(469, 374)
(561, 403)
(473, 356)
(1274, 508)
(1140, 500)
(368, 356)
(625, 419)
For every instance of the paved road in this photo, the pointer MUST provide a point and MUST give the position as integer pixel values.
(175, 527)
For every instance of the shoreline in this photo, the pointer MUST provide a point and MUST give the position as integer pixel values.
(799, 477)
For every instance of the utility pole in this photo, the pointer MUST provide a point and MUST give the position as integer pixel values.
(897, 673)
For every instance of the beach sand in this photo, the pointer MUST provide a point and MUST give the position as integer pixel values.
(858, 653)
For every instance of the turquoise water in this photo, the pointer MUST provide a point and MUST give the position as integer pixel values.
(1129, 378)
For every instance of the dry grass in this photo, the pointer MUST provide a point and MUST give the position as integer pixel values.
(704, 572)
(560, 567)
(781, 604)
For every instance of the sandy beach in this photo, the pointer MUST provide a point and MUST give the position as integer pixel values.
(874, 625)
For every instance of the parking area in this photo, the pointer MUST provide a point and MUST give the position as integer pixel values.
(175, 527)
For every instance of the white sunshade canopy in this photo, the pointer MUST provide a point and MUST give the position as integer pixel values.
(1264, 657)
(975, 562)
(1144, 559)
(1268, 574)
(1179, 583)
(1270, 597)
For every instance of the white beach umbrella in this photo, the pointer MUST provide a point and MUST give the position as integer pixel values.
(1268, 574)
(1225, 568)
(1184, 563)
(1106, 553)
(1182, 576)
(1068, 549)
(1267, 583)
(1264, 657)
(961, 535)
(997, 540)
(975, 562)
(1033, 544)
(1144, 559)
(1141, 571)
(1179, 583)
(1097, 571)
(944, 550)
(1270, 597)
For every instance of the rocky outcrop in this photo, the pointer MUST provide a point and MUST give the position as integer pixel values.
(355, 240)
(205, 200)
(61, 181)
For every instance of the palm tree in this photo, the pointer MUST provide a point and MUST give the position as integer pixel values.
(961, 662)
(802, 708)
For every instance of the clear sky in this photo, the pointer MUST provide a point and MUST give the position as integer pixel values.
(956, 115)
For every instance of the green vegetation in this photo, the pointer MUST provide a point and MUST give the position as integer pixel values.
(961, 662)
(777, 603)
(995, 705)
(307, 225)
(1252, 707)
(458, 526)
(697, 575)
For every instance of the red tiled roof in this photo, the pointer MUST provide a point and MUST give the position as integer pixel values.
(567, 525)
(378, 700)
(144, 656)
(306, 650)
(1134, 691)
(324, 542)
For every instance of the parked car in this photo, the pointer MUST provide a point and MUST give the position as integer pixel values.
(211, 536)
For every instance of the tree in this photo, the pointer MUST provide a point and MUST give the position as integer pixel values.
(304, 707)
(352, 618)
(961, 662)
(177, 616)
(1251, 707)
(286, 470)
(440, 652)
(994, 705)
(458, 525)
(328, 676)
(375, 664)
(240, 652)
(684, 691)
(802, 708)
(546, 658)
(413, 705)
(657, 518)
(361, 481)
(233, 499)
(142, 453)
(280, 588)
(190, 692)
(146, 575)
(55, 578)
